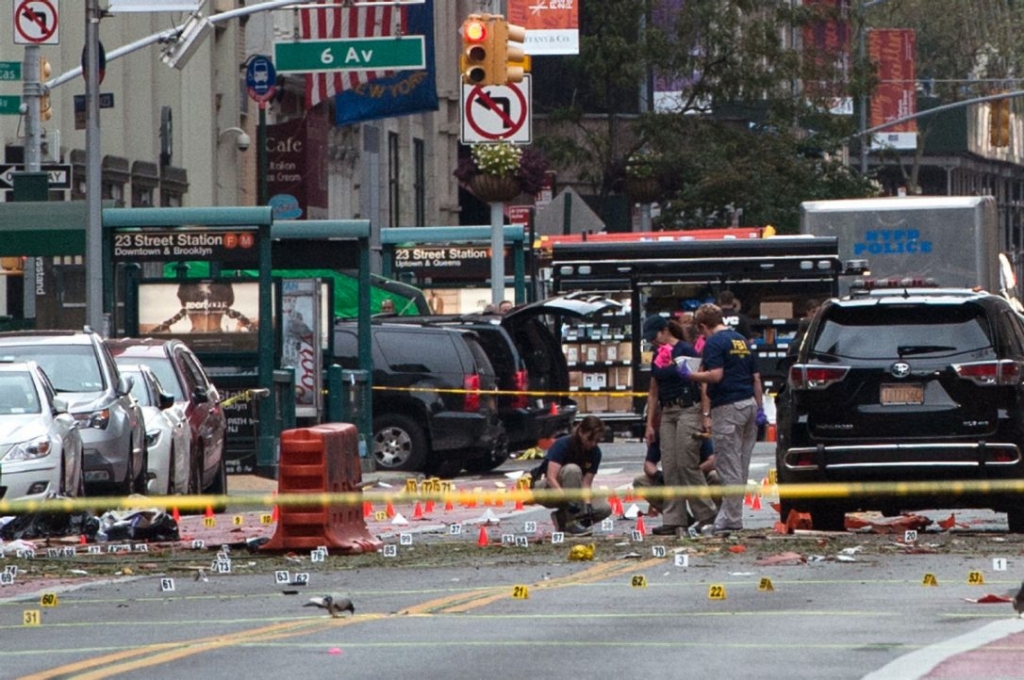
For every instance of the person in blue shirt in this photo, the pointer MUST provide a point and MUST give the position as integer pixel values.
(673, 418)
(571, 463)
(731, 408)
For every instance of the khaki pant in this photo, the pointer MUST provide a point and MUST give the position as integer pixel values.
(571, 477)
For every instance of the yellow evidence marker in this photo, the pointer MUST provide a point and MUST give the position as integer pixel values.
(48, 600)
(765, 585)
(975, 578)
(238, 520)
(30, 617)
(266, 518)
(716, 591)
(209, 522)
(520, 593)
(638, 581)
(929, 580)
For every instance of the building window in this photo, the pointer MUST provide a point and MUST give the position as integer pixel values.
(393, 174)
(420, 183)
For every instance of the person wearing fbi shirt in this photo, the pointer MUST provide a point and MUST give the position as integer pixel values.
(673, 418)
(571, 464)
(731, 408)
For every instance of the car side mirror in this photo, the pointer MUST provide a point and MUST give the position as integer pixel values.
(200, 395)
(125, 385)
(165, 401)
(60, 405)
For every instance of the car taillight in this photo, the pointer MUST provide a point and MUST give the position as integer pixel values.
(803, 377)
(520, 382)
(471, 383)
(990, 372)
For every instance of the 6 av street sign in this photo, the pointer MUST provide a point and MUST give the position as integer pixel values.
(59, 175)
(358, 54)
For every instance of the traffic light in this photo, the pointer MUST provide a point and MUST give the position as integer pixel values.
(509, 57)
(477, 59)
(45, 113)
(999, 123)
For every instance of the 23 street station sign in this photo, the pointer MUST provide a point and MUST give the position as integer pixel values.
(447, 262)
(173, 245)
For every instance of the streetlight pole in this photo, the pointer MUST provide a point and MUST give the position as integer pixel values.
(94, 312)
(865, 139)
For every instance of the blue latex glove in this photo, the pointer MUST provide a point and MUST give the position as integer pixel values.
(682, 368)
(761, 419)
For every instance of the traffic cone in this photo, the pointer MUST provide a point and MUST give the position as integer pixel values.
(82, 539)
(209, 511)
(367, 509)
(429, 508)
(275, 513)
(483, 540)
(519, 504)
(175, 515)
(771, 435)
(640, 525)
(390, 510)
(746, 500)
(756, 503)
(448, 505)
(417, 512)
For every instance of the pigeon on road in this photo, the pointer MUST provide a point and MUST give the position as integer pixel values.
(1018, 601)
(334, 605)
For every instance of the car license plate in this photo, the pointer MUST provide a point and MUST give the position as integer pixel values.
(896, 395)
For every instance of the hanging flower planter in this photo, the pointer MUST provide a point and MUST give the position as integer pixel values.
(494, 188)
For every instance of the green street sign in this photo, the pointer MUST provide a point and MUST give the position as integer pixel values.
(10, 104)
(359, 54)
(10, 70)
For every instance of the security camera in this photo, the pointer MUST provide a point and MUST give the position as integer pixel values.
(243, 142)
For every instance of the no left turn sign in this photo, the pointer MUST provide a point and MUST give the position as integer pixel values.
(36, 22)
(496, 113)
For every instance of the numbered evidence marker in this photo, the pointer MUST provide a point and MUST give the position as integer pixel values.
(998, 564)
(716, 591)
(910, 536)
(638, 536)
(607, 524)
(31, 617)
(682, 560)
(238, 520)
(380, 516)
(929, 580)
(48, 600)
(520, 593)
(765, 585)
(455, 529)
(282, 577)
(530, 527)
(405, 538)
(391, 550)
(557, 537)
(209, 522)
(316, 555)
(638, 581)
(975, 578)
(658, 551)
(198, 544)
(266, 518)
(167, 585)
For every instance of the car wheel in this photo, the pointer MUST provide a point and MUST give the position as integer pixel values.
(828, 518)
(1015, 519)
(399, 443)
(490, 462)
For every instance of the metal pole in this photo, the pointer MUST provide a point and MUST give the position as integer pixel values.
(862, 51)
(31, 91)
(497, 253)
(93, 173)
(261, 156)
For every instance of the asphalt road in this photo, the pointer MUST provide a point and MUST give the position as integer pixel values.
(444, 607)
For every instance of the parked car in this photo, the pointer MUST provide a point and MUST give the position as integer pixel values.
(41, 443)
(168, 435)
(527, 357)
(419, 425)
(905, 385)
(182, 374)
(110, 421)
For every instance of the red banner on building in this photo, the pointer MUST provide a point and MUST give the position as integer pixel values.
(826, 49)
(552, 26)
(893, 53)
(297, 166)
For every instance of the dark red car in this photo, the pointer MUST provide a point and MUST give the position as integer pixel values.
(181, 373)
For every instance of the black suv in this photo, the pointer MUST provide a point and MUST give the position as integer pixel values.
(434, 418)
(905, 385)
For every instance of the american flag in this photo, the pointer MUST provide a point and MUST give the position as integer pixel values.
(341, 19)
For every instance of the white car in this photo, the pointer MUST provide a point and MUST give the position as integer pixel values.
(40, 445)
(168, 435)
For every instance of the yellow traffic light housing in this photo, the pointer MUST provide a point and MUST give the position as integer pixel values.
(999, 123)
(477, 59)
(513, 53)
(45, 70)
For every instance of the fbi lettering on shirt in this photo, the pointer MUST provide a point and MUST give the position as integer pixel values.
(739, 348)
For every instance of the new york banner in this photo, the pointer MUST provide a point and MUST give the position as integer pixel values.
(401, 94)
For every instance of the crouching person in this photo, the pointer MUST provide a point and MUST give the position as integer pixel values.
(570, 464)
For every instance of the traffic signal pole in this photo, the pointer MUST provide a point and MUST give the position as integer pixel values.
(32, 91)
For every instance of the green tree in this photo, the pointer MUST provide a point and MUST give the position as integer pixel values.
(745, 135)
